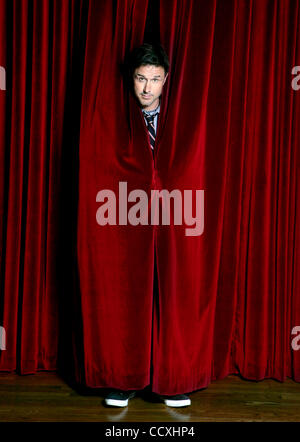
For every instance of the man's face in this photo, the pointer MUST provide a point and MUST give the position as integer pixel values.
(148, 82)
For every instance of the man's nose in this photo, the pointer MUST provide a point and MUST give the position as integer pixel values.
(147, 87)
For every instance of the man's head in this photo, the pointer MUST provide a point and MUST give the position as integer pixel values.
(149, 66)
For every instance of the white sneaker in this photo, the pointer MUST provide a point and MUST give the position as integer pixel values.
(178, 400)
(119, 398)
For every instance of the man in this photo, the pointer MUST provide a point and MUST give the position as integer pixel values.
(148, 72)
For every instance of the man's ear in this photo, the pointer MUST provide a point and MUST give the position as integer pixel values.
(165, 78)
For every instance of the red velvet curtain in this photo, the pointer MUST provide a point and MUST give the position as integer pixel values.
(37, 44)
(232, 88)
(226, 301)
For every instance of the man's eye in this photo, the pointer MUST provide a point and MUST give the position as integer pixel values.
(155, 80)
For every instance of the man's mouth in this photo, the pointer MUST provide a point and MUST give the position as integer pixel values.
(146, 97)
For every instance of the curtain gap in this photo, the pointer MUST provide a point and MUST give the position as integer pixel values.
(152, 33)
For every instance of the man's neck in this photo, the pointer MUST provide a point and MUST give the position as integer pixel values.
(152, 110)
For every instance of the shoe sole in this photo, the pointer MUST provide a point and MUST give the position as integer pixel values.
(116, 403)
(183, 403)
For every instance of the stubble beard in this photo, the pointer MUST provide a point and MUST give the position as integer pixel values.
(146, 104)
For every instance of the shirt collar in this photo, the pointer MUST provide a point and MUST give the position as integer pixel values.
(152, 112)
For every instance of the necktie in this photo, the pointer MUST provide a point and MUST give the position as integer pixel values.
(151, 129)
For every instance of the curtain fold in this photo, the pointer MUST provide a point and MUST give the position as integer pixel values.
(229, 299)
(251, 160)
(2, 134)
(37, 41)
(112, 303)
